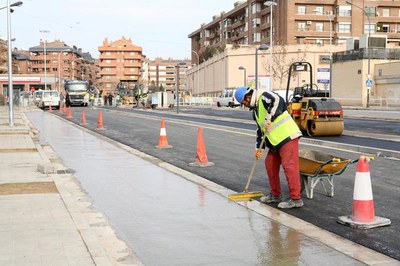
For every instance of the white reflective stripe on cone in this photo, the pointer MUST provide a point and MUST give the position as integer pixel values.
(362, 186)
(163, 132)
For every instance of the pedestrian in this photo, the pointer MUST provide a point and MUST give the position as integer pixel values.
(67, 100)
(105, 97)
(110, 99)
(282, 139)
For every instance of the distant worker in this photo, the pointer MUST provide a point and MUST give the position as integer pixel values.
(282, 139)
(138, 94)
(91, 99)
(67, 100)
(110, 99)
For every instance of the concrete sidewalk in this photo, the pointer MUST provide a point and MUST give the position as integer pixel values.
(46, 218)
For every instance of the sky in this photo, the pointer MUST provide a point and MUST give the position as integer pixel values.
(160, 27)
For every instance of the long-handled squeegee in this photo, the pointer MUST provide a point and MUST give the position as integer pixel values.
(246, 195)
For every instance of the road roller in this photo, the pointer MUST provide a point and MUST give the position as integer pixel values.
(313, 112)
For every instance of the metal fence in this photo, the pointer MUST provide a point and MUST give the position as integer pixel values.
(367, 53)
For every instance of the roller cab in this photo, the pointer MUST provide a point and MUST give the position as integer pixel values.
(314, 115)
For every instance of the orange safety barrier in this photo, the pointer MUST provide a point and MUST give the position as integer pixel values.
(163, 141)
(363, 215)
(201, 158)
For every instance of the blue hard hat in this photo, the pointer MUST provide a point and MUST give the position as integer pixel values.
(240, 93)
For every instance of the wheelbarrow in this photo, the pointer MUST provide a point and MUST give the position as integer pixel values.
(318, 167)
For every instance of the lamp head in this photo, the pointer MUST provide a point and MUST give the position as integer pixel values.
(19, 3)
(263, 47)
(242, 68)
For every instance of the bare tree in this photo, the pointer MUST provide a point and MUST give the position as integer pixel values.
(3, 57)
(282, 61)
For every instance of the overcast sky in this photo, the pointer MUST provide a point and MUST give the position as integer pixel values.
(160, 27)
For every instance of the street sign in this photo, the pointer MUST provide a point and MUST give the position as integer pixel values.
(368, 82)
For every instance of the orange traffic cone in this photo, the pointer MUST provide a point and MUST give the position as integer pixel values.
(50, 110)
(363, 216)
(83, 122)
(69, 112)
(100, 122)
(60, 109)
(201, 156)
(65, 109)
(163, 142)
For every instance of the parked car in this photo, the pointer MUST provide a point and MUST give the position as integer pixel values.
(227, 98)
(37, 95)
(49, 98)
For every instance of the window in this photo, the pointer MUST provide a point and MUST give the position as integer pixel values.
(344, 11)
(301, 26)
(319, 10)
(301, 10)
(369, 28)
(256, 22)
(319, 26)
(344, 27)
(256, 37)
(255, 7)
(385, 12)
(319, 41)
(371, 11)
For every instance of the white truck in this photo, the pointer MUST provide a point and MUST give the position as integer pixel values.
(77, 92)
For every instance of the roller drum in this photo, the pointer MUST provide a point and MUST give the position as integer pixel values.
(325, 128)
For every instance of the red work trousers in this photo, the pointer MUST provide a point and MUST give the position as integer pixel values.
(288, 157)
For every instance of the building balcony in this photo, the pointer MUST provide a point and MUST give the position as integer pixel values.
(107, 56)
(135, 64)
(108, 73)
(112, 64)
(132, 56)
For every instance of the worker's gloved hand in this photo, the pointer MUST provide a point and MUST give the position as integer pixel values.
(268, 126)
(259, 153)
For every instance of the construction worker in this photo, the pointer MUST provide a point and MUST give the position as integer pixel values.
(282, 139)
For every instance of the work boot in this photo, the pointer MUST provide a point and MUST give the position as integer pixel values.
(291, 203)
(270, 198)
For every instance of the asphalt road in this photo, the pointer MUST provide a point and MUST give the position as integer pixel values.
(231, 149)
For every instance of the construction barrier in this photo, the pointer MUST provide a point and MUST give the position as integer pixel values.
(83, 119)
(163, 141)
(201, 156)
(100, 125)
(69, 112)
(363, 215)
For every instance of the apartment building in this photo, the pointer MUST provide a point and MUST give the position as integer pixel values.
(163, 74)
(297, 22)
(119, 61)
(21, 62)
(61, 61)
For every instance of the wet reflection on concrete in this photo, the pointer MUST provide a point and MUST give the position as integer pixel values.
(167, 220)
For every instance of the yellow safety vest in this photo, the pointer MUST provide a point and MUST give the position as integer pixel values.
(283, 127)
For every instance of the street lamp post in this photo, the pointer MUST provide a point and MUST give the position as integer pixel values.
(59, 69)
(270, 4)
(262, 47)
(9, 66)
(45, 59)
(329, 14)
(244, 75)
(177, 85)
(368, 42)
(198, 69)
